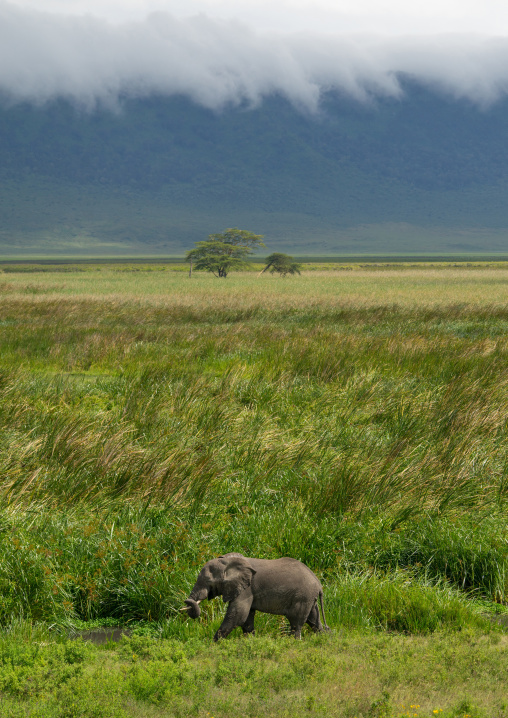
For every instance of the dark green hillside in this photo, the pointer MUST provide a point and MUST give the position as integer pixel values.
(423, 173)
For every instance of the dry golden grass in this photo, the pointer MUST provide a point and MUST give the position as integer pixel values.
(363, 288)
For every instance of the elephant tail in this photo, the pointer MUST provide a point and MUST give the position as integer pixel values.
(327, 628)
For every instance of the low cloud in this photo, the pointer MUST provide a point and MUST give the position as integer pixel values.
(218, 62)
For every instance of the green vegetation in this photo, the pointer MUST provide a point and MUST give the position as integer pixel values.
(225, 252)
(355, 420)
(354, 673)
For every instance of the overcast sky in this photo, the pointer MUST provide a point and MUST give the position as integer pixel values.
(236, 51)
(388, 16)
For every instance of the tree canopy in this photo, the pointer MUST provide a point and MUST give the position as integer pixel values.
(225, 251)
(282, 264)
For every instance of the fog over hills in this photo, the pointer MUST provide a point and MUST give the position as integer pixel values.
(146, 136)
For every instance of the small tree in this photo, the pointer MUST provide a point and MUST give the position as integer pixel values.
(225, 252)
(282, 264)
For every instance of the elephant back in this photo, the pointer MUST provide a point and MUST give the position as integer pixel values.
(286, 574)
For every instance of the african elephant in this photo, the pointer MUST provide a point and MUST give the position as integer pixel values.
(283, 586)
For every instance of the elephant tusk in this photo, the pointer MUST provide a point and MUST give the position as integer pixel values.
(188, 608)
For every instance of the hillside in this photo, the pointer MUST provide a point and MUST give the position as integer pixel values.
(423, 173)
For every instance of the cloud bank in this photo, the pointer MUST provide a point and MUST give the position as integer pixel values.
(218, 62)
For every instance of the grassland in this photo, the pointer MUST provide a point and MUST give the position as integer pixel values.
(355, 420)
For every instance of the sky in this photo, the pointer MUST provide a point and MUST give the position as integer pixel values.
(221, 52)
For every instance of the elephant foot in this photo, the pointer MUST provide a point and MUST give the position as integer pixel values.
(321, 629)
(221, 634)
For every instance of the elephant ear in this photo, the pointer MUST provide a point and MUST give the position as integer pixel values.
(237, 576)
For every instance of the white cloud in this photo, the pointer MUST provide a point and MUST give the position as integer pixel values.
(386, 16)
(214, 61)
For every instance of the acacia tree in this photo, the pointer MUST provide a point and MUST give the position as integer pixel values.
(282, 264)
(225, 252)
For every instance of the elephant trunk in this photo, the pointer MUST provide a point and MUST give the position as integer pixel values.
(192, 608)
(197, 595)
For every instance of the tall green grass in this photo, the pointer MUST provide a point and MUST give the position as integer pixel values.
(139, 564)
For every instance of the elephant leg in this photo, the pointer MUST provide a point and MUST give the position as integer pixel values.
(248, 626)
(297, 617)
(236, 615)
(296, 630)
(313, 619)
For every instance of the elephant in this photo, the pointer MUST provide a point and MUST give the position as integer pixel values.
(282, 586)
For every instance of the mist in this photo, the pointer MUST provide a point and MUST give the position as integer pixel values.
(217, 63)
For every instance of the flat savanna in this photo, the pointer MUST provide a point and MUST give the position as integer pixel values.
(353, 418)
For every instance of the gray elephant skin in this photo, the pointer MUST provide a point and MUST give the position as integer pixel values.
(282, 586)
